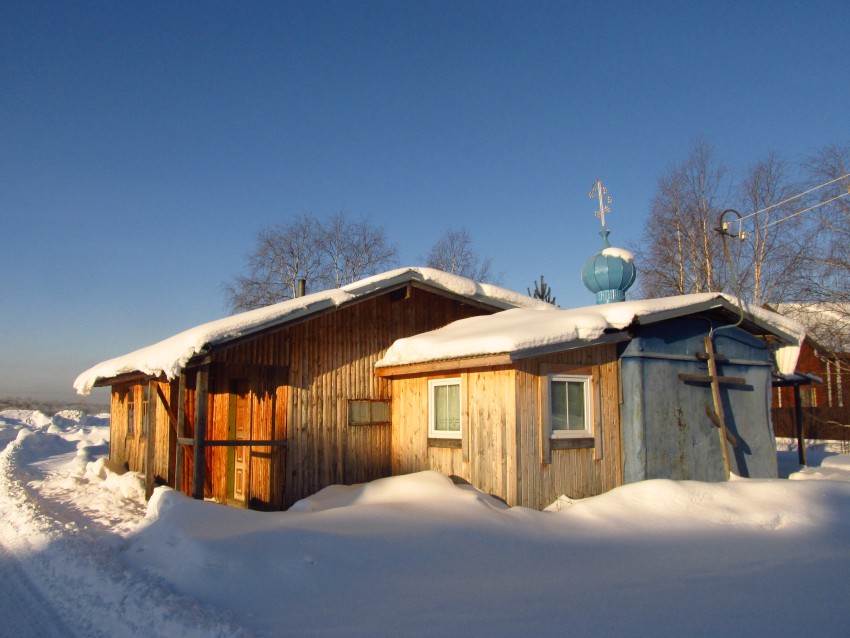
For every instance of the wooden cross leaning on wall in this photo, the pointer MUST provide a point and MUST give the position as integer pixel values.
(716, 415)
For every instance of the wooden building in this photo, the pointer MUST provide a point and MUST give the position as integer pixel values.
(824, 400)
(530, 405)
(824, 359)
(269, 406)
(419, 370)
(825, 353)
(831, 368)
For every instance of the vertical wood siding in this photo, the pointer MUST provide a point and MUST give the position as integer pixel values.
(300, 380)
(490, 416)
(577, 473)
(503, 425)
(131, 450)
(332, 362)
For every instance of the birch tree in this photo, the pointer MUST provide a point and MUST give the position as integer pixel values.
(680, 252)
(682, 249)
(827, 281)
(771, 259)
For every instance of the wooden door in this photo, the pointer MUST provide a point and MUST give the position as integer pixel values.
(239, 428)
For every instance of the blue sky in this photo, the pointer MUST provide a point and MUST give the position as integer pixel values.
(142, 145)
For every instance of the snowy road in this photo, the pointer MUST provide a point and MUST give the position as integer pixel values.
(64, 520)
(25, 612)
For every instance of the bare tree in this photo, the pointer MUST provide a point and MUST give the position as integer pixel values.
(327, 255)
(354, 249)
(681, 252)
(704, 181)
(283, 254)
(662, 253)
(453, 253)
(827, 281)
(771, 258)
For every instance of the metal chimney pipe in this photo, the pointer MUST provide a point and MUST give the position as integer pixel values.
(302, 287)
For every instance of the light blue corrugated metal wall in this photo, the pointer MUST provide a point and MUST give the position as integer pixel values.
(666, 433)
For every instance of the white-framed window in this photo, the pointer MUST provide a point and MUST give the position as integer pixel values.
(570, 411)
(444, 421)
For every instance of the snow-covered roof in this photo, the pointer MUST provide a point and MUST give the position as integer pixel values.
(170, 356)
(827, 323)
(523, 332)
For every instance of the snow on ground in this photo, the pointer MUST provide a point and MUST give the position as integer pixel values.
(65, 518)
(415, 555)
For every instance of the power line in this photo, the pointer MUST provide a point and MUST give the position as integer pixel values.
(793, 197)
(807, 209)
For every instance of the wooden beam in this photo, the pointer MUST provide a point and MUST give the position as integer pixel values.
(703, 356)
(703, 378)
(449, 443)
(244, 442)
(798, 417)
(127, 377)
(168, 411)
(150, 443)
(466, 363)
(181, 431)
(572, 443)
(201, 395)
(716, 421)
(464, 417)
(544, 417)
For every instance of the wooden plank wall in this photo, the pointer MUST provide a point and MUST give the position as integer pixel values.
(489, 422)
(819, 423)
(130, 451)
(503, 426)
(332, 362)
(189, 432)
(165, 433)
(577, 473)
(263, 364)
(301, 379)
(491, 419)
(123, 449)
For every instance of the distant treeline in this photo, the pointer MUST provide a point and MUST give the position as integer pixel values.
(51, 407)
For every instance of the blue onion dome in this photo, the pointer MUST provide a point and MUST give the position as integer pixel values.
(609, 273)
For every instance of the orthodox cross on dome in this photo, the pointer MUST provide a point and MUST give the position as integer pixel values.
(611, 271)
(600, 192)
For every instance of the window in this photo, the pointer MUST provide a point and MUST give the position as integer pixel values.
(444, 408)
(569, 406)
(809, 397)
(146, 405)
(131, 411)
(368, 412)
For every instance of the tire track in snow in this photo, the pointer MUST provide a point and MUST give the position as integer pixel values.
(25, 612)
(72, 565)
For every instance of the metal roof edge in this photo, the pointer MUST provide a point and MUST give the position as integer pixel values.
(721, 301)
(573, 344)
